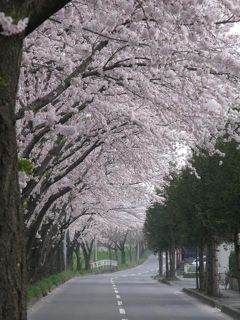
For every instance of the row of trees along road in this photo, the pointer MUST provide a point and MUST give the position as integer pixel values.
(104, 93)
(201, 209)
(120, 241)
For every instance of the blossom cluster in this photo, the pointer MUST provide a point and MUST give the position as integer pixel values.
(110, 91)
(9, 27)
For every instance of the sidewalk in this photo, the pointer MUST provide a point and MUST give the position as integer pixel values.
(228, 303)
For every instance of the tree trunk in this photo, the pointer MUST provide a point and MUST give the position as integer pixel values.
(79, 262)
(87, 262)
(212, 285)
(60, 266)
(70, 259)
(130, 253)
(136, 252)
(197, 269)
(172, 263)
(237, 255)
(141, 248)
(167, 265)
(110, 253)
(12, 251)
(160, 263)
(87, 251)
(123, 255)
(201, 269)
(69, 253)
(116, 254)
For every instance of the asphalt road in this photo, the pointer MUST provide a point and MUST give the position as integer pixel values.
(126, 295)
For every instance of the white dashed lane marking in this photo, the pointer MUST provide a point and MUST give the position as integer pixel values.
(118, 297)
(122, 311)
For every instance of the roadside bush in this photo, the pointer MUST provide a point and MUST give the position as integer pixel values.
(44, 286)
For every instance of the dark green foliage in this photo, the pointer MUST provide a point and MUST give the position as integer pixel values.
(25, 165)
(202, 204)
(158, 229)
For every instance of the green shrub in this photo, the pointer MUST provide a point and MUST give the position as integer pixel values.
(25, 165)
(34, 292)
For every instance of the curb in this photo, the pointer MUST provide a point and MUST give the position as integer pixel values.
(230, 311)
(164, 281)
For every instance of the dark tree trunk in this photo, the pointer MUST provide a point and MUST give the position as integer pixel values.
(87, 251)
(212, 285)
(60, 258)
(237, 255)
(197, 269)
(116, 254)
(110, 253)
(12, 251)
(12, 239)
(78, 256)
(172, 263)
(201, 269)
(69, 253)
(123, 255)
(42, 260)
(136, 252)
(141, 248)
(167, 265)
(70, 260)
(160, 263)
(130, 253)
(87, 261)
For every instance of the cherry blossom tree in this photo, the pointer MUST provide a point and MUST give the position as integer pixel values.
(14, 17)
(112, 88)
(157, 122)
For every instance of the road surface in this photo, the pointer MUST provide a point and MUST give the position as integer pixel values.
(126, 295)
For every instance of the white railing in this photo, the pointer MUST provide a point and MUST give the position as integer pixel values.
(102, 264)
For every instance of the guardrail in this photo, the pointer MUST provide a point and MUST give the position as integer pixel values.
(104, 264)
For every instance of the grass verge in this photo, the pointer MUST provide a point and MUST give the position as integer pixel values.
(43, 287)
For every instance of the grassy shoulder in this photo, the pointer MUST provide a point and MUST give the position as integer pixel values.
(43, 287)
